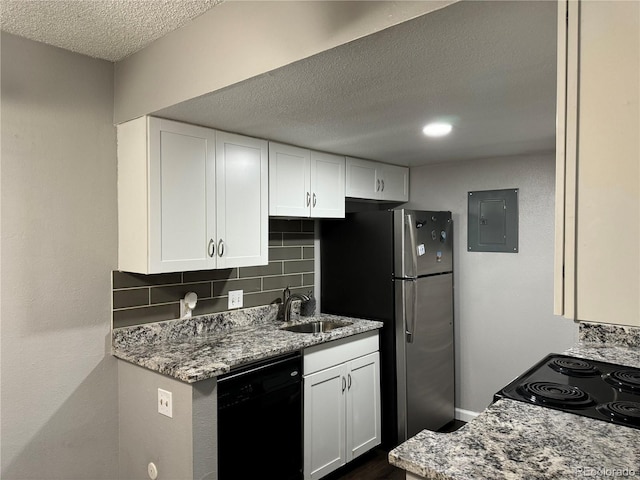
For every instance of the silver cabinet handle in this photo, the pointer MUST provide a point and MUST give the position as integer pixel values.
(308, 199)
(314, 200)
(220, 248)
(377, 185)
(349, 383)
(344, 384)
(211, 249)
(382, 184)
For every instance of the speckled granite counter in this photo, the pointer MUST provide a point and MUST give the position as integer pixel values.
(208, 346)
(515, 440)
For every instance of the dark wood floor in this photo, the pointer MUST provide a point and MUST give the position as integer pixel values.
(374, 465)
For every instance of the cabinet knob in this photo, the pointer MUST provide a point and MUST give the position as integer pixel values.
(220, 248)
(344, 384)
(382, 182)
(314, 200)
(349, 383)
(377, 185)
(308, 199)
(211, 248)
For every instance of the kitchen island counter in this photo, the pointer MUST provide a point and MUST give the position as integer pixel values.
(516, 440)
(203, 347)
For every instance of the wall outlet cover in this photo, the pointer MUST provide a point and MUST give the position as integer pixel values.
(235, 299)
(165, 403)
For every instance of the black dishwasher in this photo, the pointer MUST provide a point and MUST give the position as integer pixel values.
(260, 420)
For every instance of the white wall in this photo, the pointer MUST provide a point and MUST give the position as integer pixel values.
(504, 319)
(59, 239)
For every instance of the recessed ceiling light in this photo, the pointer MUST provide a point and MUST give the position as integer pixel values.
(437, 129)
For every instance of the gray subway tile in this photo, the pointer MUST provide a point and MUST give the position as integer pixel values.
(273, 268)
(308, 226)
(308, 252)
(298, 266)
(284, 225)
(138, 316)
(262, 298)
(212, 275)
(281, 282)
(308, 279)
(297, 239)
(211, 305)
(247, 285)
(135, 297)
(175, 293)
(128, 280)
(285, 253)
(275, 239)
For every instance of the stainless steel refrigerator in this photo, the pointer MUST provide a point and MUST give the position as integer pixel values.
(396, 266)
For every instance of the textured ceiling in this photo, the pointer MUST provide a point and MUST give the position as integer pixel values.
(487, 67)
(107, 29)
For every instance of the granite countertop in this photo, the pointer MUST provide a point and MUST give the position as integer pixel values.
(516, 440)
(203, 347)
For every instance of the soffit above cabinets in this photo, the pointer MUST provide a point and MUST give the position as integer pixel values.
(487, 67)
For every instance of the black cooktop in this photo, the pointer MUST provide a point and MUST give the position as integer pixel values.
(594, 389)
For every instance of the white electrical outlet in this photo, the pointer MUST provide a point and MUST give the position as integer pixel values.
(165, 403)
(235, 299)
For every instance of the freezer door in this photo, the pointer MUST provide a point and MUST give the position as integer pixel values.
(424, 243)
(426, 356)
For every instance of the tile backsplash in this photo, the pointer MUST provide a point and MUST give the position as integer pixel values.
(139, 299)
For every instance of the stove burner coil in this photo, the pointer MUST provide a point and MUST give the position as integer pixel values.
(555, 394)
(624, 379)
(573, 367)
(627, 413)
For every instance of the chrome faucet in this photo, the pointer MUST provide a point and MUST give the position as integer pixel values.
(288, 297)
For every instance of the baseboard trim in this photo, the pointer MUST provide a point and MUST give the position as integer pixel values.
(465, 415)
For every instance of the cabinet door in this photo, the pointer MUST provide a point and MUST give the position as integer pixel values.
(598, 176)
(289, 181)
(362, 179)
(324, 421)
(327, 185)
(242, 220)
(181, 196)
(363, 405)
(395, 183)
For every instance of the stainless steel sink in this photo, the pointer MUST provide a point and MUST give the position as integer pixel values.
(319, 326)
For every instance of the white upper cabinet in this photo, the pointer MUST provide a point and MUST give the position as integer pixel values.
(327, 185)
(597, 267)
(376, 181)
(179, 207)
(242, 221)
(304, 183)
(395, 183)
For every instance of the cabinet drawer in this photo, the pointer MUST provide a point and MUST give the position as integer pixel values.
(333, 353)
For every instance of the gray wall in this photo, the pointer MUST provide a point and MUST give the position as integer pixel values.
(182, 447)
(503, 302)
(59, 236)
(141, 299)
(200, 58)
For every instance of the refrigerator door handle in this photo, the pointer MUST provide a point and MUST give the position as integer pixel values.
(414, 248)
(411, 318)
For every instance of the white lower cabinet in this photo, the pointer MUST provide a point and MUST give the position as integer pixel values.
(341, 402)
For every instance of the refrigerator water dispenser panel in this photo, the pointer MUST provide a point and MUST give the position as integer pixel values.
(493, 221)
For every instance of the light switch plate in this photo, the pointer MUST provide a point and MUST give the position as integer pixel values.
(235, 299)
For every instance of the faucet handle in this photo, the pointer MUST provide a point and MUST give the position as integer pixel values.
(286, 294)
